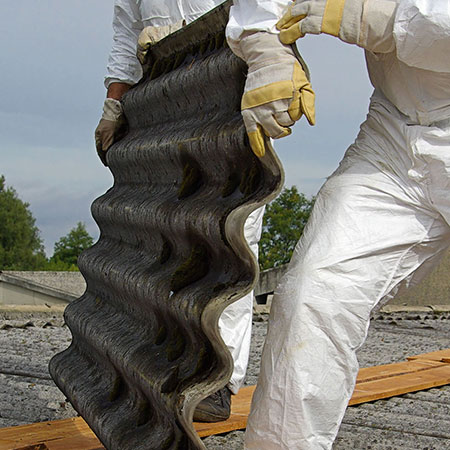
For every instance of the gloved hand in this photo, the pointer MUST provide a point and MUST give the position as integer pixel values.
(151, 35)
(277, 92)
(111, 128)
(366, 23)
(145, 41)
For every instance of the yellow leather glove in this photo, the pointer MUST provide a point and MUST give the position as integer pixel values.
(366, 23)
(277, 91)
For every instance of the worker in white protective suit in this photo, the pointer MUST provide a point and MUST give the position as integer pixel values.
(380, 222)
(137, 24)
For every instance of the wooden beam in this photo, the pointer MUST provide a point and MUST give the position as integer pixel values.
(401, 384)
(440, 355)
(23, 436)
(373, 383)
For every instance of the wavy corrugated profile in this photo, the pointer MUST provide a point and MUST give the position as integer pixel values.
(171, 254)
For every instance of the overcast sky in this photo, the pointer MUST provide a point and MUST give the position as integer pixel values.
(53, 57)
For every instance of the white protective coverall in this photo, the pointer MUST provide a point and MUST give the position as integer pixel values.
(380, 222)
(130, 17)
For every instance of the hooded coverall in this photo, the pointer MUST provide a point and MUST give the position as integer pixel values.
(130, 17)
(380, 222)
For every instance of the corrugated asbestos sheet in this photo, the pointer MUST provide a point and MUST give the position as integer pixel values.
(171, 255)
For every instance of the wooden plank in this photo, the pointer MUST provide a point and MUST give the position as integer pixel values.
(71, 443)
(373, 383)
(391, 370)
(76, 442)
(34, 447)
(41, 433)
(45, 430)
(440, 355)
(401, 384)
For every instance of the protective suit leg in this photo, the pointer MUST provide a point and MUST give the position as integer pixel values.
(372, 228)
(235, 323)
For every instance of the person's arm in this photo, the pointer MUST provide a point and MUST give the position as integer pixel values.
(277, 91)
(117, 89)
(123, 65)
(251, 16)
(123, 71)
(422, 34)
(366, 23)
(418, 30)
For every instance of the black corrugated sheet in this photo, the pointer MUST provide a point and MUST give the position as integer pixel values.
(171, 255)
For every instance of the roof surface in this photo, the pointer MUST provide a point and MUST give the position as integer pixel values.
(71, 283)
(413, 421)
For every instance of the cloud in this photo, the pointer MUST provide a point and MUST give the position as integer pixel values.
(53, 61)
(57, 212)
(54, 56)
(59, 185)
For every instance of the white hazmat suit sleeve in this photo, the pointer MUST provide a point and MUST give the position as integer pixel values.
(422, 34)
(366, 23)
(412, 27)
(123, 66)
(247, 16)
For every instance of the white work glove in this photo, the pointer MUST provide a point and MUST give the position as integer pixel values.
(277, 91)
(151, 35)
(366, 23)
(111, 128)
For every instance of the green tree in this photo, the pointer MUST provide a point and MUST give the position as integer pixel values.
(69, 247)
(283, 225)
(20, 242)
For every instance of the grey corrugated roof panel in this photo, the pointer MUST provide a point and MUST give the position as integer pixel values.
(417, 420)
(361, 437)
(369, 426)
(62, 285)
(71, 282)
(171, 255)
(404, 415)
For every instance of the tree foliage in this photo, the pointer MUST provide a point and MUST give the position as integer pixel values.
(283, 225)
(69, 247)
(20, 243)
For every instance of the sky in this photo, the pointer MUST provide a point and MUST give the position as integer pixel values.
(53, 58)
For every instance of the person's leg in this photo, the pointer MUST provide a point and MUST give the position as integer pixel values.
(235, 325)
(367, 234)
